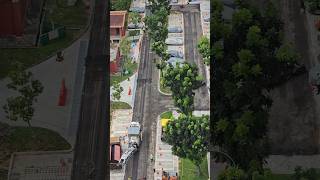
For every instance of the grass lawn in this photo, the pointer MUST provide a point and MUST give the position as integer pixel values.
(188, 171)
(164, 89)
(166, 115)
(69, 16)
(120, 105)
(27, 139)
(132, 67)
(74, 17)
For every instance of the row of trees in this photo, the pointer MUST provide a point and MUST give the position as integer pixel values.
(182, 79)
(249, 59)
(204, 49)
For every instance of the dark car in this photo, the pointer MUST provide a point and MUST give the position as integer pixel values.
(174, 53)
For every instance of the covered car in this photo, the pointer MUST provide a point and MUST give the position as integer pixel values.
(137, 9)
(174, 53)
(135, 26)
(175, 29)
(174, 60)
(194, 2)
(174, 41)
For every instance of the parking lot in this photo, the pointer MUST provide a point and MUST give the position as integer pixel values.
(175, 19)
(205, 17)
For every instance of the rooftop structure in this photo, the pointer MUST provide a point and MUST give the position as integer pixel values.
(117, 25)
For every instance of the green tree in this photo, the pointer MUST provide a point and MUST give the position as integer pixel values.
(120, 5)
(117, 90)
(21, 107)
(156, 5)
(156, 25)
(125, 46)
(204, 49)
(287, 54)
(232, 173)
(159, 47)
(249, 61)
(182, 79)
(134, 17)
(313, 5)
(305, 174)
(195, 147)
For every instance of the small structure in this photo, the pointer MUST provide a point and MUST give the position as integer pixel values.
(117, 25)
(12, 17)
(19, 22)
(115, 152)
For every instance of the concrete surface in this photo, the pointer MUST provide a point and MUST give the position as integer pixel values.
(50, 73)
(41, 166)
(164, 159)
(119, 127)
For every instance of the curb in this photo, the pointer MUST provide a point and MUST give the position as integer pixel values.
(158, 85)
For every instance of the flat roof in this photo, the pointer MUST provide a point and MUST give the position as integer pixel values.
(117, 19)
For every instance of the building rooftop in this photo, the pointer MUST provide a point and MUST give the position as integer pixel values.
(117, 19)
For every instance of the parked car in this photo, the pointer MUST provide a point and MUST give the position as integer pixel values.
(174, 53)
(194, 2)
(174, 41)
(137, 9)
(174, 29)
(135, 26)
(174, 60)
(206, 18)
(174, 1)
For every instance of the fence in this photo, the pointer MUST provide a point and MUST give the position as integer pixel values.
(56, 33)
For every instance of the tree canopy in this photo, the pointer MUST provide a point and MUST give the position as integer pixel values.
(249, 59)
(117, 91)
(204, 49)
(182, 79)
(21, 107)
(195, 147)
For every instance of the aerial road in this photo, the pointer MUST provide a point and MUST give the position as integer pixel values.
(91, 149)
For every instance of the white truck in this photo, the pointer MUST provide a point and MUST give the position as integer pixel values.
(134, 136)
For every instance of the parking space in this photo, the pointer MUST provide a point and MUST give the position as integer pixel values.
(138, 3)
(175, 38)
(164, 159)
(178, 2)
(205, 17)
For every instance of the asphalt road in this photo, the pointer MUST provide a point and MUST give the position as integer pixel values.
(294, 117)
(150, 103)
(192, 34)
(91, 149)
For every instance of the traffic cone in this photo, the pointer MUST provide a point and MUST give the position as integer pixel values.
(129, 93)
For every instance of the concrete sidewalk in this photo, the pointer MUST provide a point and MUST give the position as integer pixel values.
(50, 72)
(164, 159)
(127, 85)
